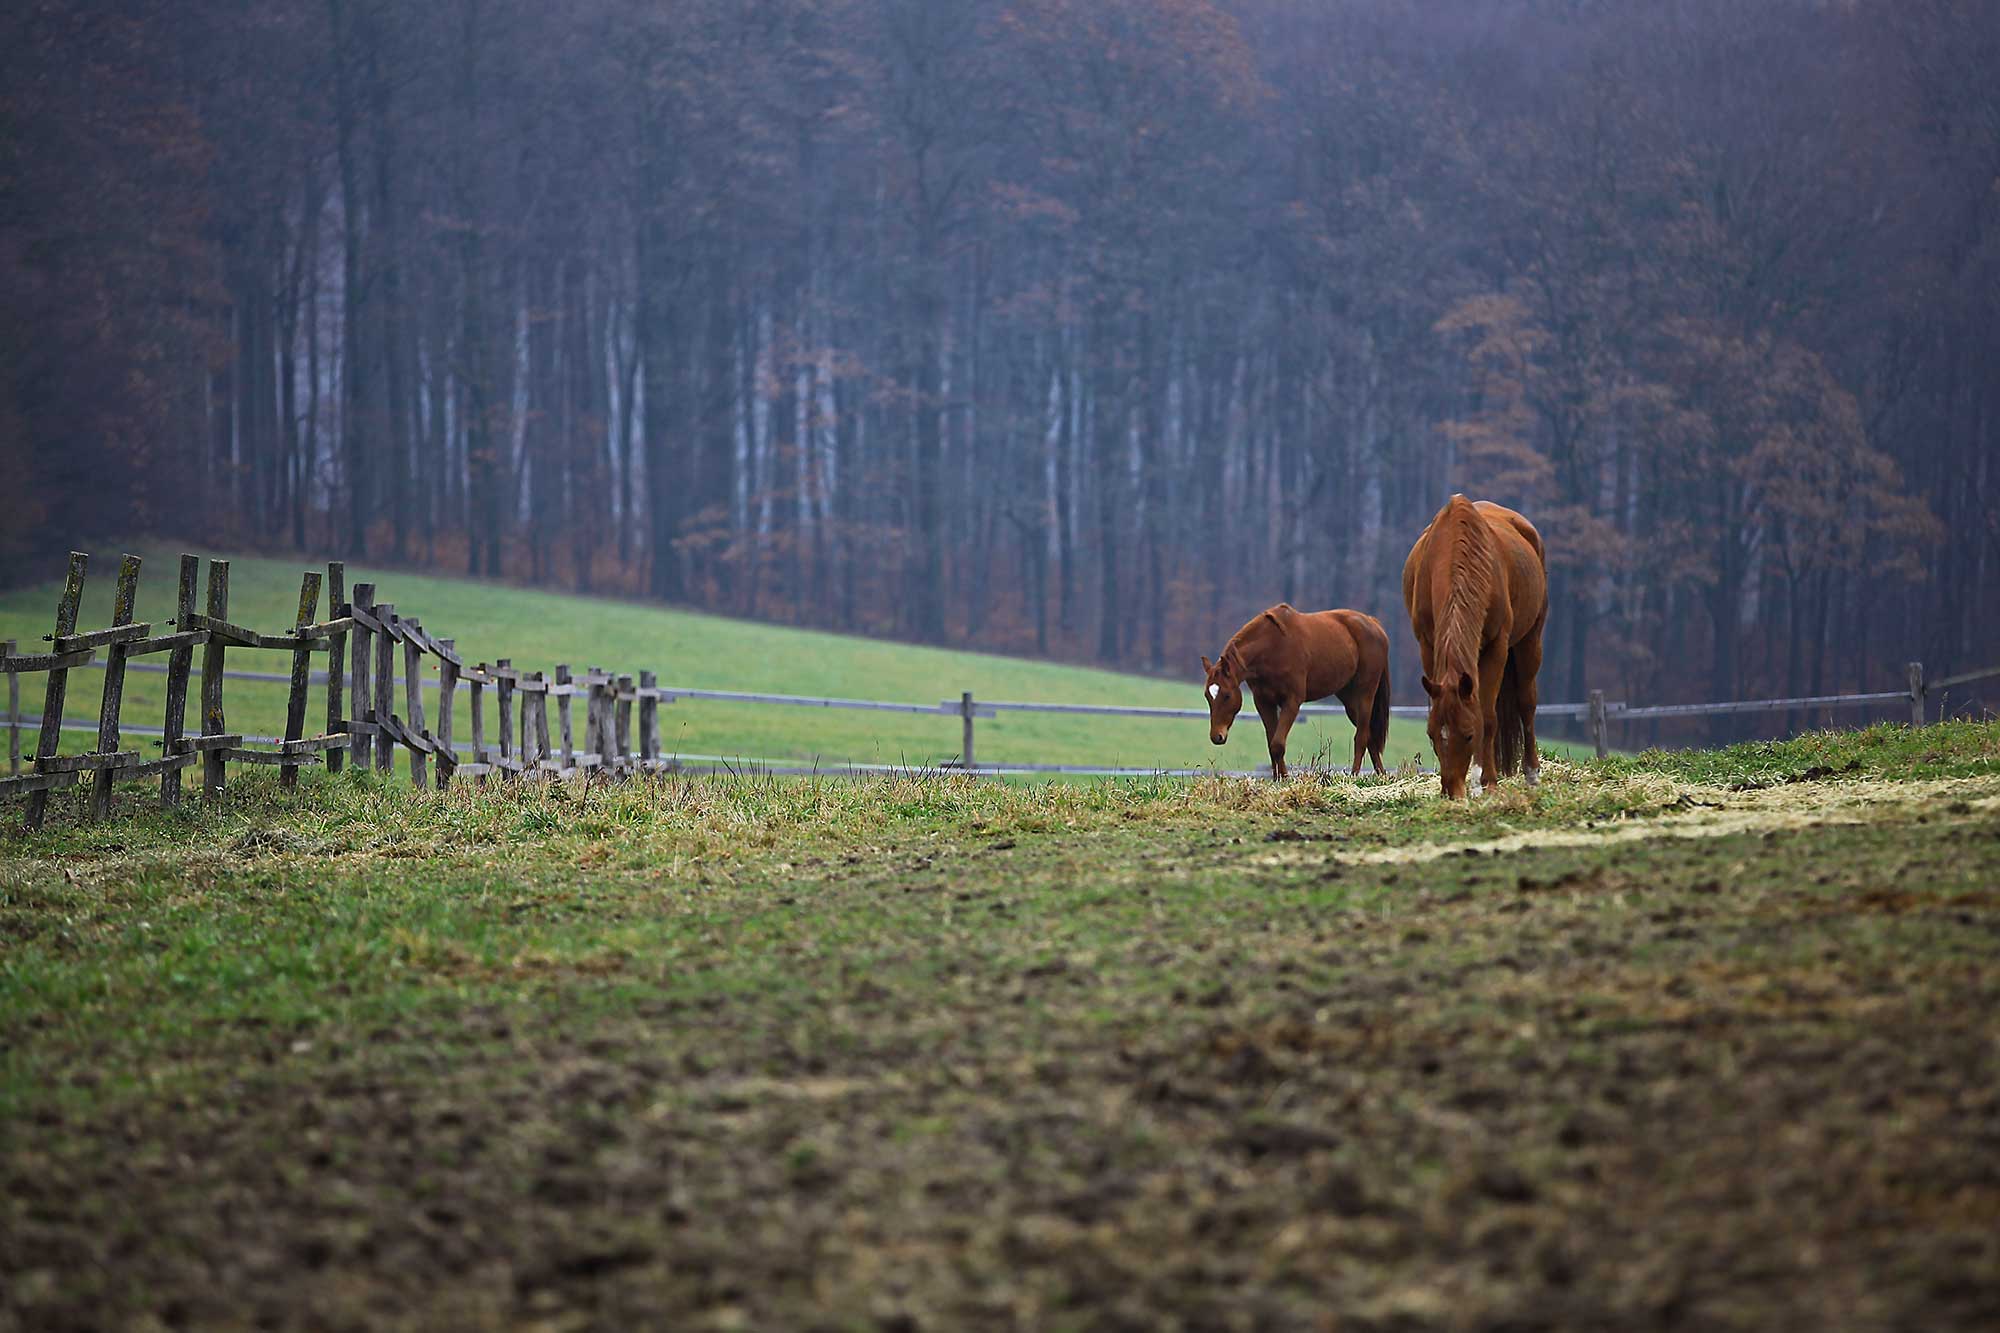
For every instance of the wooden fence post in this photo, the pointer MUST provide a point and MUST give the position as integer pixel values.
(385, 686)
(524, 690)
(13, 713)
(336, 660)
(503, 671)
(1916, 694)
(622, 728)
(1598, 738)
(562, 716)
(212, 720)
(649, 720)
(114, 686)
(541, 701)
(593, 716)
(447, 687)
(301, 684)
(361, 692)
(179, 664)
(965, 712)
(50, 738)
(413, 701)
(477, 707)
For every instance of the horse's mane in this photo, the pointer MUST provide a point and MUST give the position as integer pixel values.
(1462, 619)
(1241, 636)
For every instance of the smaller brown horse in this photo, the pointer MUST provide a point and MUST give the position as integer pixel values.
(1289, 658)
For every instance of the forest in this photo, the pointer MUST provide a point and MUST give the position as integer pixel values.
(1075, 328)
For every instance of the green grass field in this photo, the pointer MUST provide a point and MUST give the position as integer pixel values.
(1701, 1040)
(538, 629)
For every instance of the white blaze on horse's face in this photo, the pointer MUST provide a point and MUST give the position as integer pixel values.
(1224, 700)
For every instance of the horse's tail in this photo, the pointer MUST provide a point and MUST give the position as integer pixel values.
(1378, 720)
(1513, 735)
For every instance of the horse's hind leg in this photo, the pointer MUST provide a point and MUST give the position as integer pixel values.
(1360, 709)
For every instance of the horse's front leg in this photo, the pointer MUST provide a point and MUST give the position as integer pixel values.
(1288, 713)
(1527, 656)
(1492, 666)
(1267, 709)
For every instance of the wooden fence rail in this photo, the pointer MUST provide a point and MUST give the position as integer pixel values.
(621, 731)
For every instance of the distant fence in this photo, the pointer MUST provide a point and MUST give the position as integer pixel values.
(360, 638)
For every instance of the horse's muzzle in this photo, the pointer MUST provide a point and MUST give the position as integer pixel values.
(1218, 737)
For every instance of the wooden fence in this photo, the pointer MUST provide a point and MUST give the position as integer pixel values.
(360, 639)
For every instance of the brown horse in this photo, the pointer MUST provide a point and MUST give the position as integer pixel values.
(1289, 658)
(1477, 588)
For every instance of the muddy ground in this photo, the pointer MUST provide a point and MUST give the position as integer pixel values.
(1225, 1072)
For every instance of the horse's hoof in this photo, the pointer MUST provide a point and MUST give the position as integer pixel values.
(1533, 775)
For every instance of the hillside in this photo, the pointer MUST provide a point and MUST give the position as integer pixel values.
(539, 629)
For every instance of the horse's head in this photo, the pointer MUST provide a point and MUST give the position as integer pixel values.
(1223, 688)
(1454, 728)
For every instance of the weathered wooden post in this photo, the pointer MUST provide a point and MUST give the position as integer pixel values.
(447, 688)
(649, 720)
(212, 721)
(622, 727)
(114, 686)
(965, 712)
(541, 701)
(301, 683)
(563, 690)
(385, 686)
(1916, 694)
(593, 716)
(57, 689)
(336, 660)
(524, 691)
(477, 707)
(180, 662)
(361, 691)
(413, 700)
(13, 712)
(1598, 736)
(503, 672)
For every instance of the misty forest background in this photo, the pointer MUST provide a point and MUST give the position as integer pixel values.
(1082, 328)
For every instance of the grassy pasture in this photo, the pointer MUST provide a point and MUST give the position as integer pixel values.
(538, 629)
(1698, 1039)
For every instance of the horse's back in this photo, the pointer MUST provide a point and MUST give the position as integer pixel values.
(1524, 561)
(1510, 526)
(1519, 554)
(1366, 629)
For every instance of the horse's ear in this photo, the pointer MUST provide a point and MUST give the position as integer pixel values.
(1206, 669)
(1430, 687)
(1465, 684)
